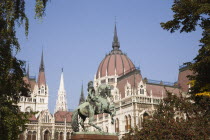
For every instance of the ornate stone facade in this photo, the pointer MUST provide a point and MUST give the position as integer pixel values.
(38, 99)
(44, 125)
(48, 127)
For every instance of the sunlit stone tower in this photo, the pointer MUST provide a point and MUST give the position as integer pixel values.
(39, 93)
(41, 88)
(61, 104)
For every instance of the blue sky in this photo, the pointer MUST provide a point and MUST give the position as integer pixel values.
(76, 35)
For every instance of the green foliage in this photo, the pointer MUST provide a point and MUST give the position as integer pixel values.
(40, 8)
(175, 118)
(12, 86)
(188, 14)
(12, 120)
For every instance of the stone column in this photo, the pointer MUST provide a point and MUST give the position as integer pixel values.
(42, 136)
(53, 131)
(39, 132)
(65, 130)
(59, 136)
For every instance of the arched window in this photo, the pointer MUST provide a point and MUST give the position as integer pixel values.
(61, 135)
(129, 122)
(126, 123)
(28, 109)
(117, 130)
(142, 91)
(145, 116)
(29, 135)
(46, 135)
(21, 137)
(68, 136)
(34, 135)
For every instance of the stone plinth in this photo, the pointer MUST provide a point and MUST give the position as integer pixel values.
(93, 136)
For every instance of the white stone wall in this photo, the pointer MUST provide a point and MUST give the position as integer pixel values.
(38, 100)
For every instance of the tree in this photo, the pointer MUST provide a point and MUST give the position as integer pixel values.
(12, 86)
(175, 118)
(188, 15)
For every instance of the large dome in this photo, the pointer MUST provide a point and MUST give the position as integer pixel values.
(115, 62)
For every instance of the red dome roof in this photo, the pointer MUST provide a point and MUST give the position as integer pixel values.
(115, 60)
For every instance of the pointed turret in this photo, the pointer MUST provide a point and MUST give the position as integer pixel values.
(115, 43)
(61, 104)
(82, 97)
(41, 88)
(27, 74)
(41, 77)
(41, 67)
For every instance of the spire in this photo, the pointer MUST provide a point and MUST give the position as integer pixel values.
(41, 77)
(27, 74)
(62, 81)
(61, 104)
(82, 97)
(115, 43)
(41, 67)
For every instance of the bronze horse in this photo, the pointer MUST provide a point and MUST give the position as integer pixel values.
(88, 109)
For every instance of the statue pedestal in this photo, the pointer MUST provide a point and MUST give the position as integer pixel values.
(93, 136)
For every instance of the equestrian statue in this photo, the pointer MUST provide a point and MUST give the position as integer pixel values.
(97, 102)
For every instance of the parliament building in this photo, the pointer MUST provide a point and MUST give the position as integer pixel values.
(135, 98)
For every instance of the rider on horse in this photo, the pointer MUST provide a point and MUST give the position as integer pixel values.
(96, 103)
(93, 99)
